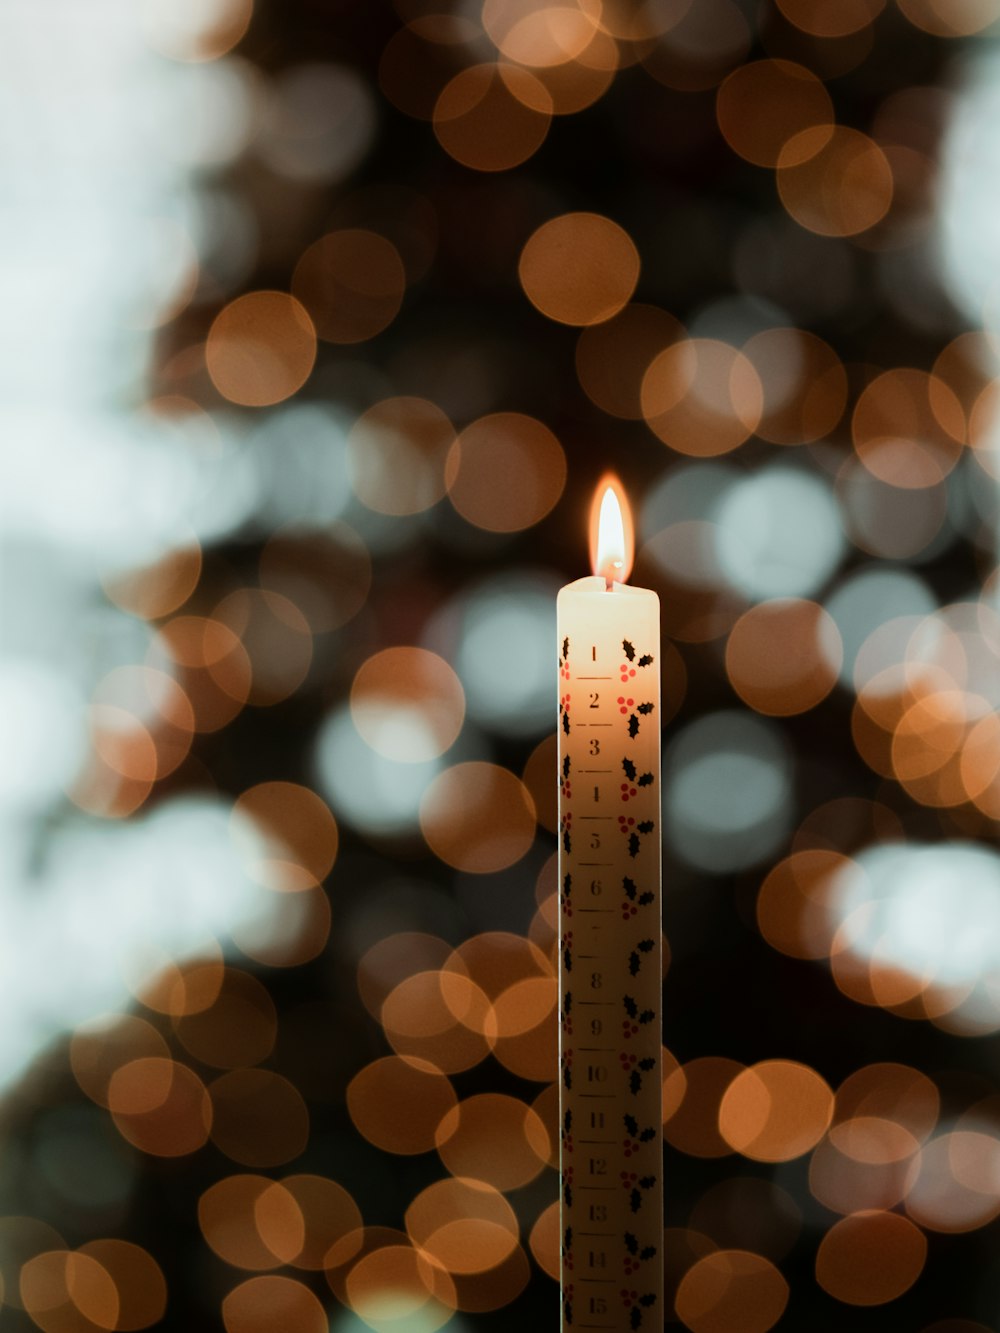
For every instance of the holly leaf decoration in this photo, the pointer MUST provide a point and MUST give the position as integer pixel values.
(633, 844)
(647, 1064)
(634, 961)
(629, 886)
(568, 1120)
(629, 770)
(645, 899)
(565, 723)
(646, 1016)
(565, 649)
(635, 1201)
(567, 841)
(647, 1300)
(645, 708)
(646, 1135)
(635, 1318)
(567, 884)
(628, 649)
(631, 1125)
(631, 1244)
(568, 1238)
(566, 768)
(644, 780)
(646, 826)
(647, 1252)
(633, 725)
(646, 659)
(647, 1182)
(634, 1082)
(631, 1008)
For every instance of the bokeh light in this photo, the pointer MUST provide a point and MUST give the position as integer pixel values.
(702, 397)
(320, 324)
(261, 349)
(725, 791)
(478, 817)
(505, 472)
(732, 1289)
(580, 268)
(492, 117)
(870, 1258)
(351, 282)
(763, 104)
(400, 1102)
(775, 1111)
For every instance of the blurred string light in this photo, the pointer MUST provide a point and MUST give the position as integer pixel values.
(128, 498)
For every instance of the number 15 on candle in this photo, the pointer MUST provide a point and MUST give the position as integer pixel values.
(610, 1095)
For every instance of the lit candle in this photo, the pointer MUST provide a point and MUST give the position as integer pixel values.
(610, 967)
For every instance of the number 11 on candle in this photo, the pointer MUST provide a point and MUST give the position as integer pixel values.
(610, 1094)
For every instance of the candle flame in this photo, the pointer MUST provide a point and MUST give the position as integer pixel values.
(611, 541)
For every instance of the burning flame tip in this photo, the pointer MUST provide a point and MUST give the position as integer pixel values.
(611, 540)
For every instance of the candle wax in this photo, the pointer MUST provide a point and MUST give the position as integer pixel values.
(610, 957)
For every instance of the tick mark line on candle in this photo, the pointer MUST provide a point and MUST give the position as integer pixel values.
(595, 677)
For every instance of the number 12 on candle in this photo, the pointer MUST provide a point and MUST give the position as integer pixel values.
(610, 1094)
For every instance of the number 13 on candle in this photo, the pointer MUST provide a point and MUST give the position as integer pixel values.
(610, 1095)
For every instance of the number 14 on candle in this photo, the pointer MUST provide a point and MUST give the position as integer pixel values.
(610, 1096)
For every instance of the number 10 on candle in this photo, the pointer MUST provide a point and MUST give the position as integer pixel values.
(610, 1094)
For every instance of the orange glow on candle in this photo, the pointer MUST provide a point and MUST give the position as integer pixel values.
(612, 545)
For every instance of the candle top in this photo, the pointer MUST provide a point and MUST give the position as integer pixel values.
(611, 541)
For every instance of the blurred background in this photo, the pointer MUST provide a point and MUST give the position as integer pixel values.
(321, 321)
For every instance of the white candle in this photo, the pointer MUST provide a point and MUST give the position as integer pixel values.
(610, 958)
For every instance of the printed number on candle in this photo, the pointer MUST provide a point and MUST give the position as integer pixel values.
(596, 1027)
(595, 746)
(598, 1166)
(598, 1212)
(596, 1122)
(594, 696)
(597, 1073)
(598, 1305)
(596, 887)
(595, 840)
(598, 1259)
(596, 980)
